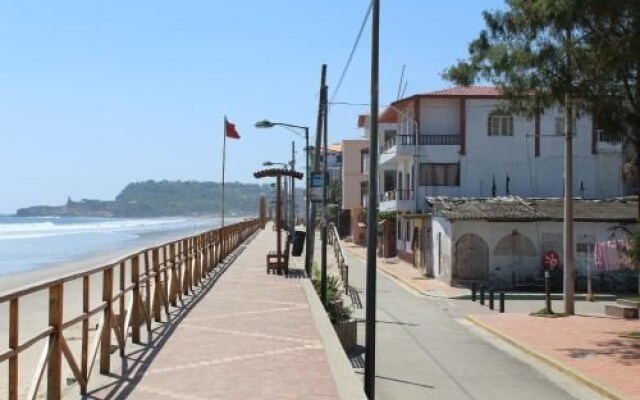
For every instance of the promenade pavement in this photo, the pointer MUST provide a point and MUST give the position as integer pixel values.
(588, 347)
(251, 336)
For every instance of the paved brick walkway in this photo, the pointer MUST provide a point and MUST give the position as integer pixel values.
(251, 337)
(589, 347)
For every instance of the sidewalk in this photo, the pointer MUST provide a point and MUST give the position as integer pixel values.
(411, 276)
(253, 336)
(589, 347)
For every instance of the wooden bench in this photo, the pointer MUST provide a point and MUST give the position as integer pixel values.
(279, 263)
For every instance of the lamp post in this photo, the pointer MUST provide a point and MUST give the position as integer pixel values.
(268, 124)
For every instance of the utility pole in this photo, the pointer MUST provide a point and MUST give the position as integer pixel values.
(569, 285)
(316, 166)
(323, 265)
(372, 217)
(293, 189)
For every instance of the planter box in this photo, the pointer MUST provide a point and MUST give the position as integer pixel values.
(347, 332)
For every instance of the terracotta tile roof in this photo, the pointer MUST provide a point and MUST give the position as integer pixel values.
(512, 209)
(388, 116)
(465, 91)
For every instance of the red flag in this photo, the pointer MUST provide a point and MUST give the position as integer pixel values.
(230, 130)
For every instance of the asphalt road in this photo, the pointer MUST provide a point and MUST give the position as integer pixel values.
(425, 350)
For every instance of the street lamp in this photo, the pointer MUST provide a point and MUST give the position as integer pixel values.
(268, 124)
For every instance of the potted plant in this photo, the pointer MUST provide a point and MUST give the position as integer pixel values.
(339, 314)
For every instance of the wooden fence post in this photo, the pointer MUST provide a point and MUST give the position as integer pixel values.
(135, 304)
(86, 292)
(14, 342)
(147, 293)
(165, 280)
(157, 286)
(174, 276)
(107, 297)
(54, 367)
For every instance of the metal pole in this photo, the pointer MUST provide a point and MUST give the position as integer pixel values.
(307, 261)
(325, 181)
(293, 188)
(224, 151)
(569, 290)
(316, 162)
(372, 217)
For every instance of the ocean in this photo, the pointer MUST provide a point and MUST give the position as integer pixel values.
(28, 243)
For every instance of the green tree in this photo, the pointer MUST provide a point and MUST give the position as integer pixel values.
(530, 52)
(543, 53)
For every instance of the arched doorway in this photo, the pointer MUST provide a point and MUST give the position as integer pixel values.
(472, 258)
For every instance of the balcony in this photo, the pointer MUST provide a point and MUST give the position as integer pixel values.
(397, 200)
(608, 142)
(400, 145)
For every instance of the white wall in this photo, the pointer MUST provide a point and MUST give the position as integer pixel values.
(442, 252)
(493, 232)
(440, 116)
(499, 156)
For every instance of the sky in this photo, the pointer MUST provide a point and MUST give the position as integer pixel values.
(95, 95)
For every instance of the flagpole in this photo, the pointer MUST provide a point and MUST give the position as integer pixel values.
(224, 151)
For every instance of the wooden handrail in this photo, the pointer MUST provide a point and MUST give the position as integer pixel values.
(171, 270)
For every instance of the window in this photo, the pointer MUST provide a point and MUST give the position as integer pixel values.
(438, 174)
(500, 124)
(364, 161)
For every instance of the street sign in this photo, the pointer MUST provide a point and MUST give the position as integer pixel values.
(316, 186)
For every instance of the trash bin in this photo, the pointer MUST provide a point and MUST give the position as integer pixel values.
(298, 243)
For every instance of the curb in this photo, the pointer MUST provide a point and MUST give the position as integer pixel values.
(347, 384)
(408, 284)
(601, 389)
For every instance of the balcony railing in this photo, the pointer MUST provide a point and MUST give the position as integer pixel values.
(439, 140)
(388, 145)
(609, 138)
(393, 195)
(423, 140)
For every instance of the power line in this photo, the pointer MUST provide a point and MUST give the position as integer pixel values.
(353, 50)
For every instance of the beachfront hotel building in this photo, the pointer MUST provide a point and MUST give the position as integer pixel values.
(459, 143)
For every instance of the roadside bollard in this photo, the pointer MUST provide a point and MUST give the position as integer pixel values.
(473, 291)
(482, 294)
(502, 302)
(491, 299)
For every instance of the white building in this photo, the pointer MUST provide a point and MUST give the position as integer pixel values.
(459, 143)
(502, 241)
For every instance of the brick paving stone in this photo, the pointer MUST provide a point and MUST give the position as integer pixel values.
(251, 337)
(592, 346)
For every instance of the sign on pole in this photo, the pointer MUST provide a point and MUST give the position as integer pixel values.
(316, 186)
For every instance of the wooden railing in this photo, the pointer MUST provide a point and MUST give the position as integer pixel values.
(333, 238)
(147, 285)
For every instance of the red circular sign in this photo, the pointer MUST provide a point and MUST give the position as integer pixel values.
(551, 260)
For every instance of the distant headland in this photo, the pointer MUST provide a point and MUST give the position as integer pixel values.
(160, 199)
